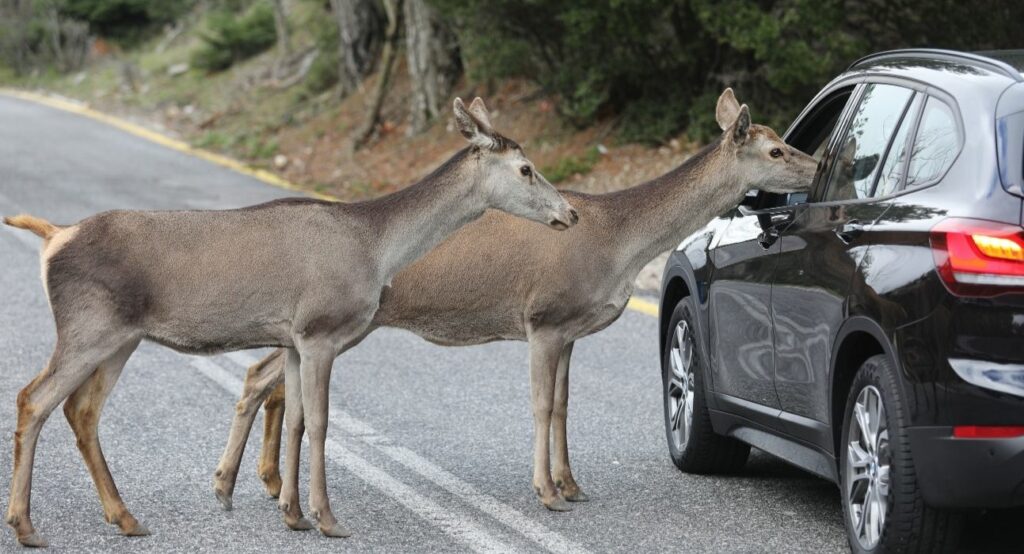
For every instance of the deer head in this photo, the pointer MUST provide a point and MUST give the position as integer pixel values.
(762, 160)
(508, 180)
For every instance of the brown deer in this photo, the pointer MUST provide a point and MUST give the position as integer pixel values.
(300, 274)
(501, 279)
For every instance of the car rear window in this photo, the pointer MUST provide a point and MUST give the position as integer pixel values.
(936, 144)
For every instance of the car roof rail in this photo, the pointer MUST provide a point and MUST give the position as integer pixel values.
(991, 64)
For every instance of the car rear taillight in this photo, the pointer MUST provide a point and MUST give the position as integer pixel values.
(988, 431)
(979, 258)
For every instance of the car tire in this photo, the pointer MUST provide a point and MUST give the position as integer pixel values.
(881, 468)
(694, 447)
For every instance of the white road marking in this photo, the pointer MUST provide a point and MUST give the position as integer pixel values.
(506, 515)
(457, 526)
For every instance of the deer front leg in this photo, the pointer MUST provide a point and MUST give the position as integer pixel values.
(293, 412)
(260, 380)
(545, 351)
(316, 379)
(561, 472)
(270, 453)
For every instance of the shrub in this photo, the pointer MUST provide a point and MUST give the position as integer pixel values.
(571, 165)
(128, 20)
(229, 38)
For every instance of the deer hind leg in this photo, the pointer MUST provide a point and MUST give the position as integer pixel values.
(561, 472)
(260, 380)
(82, 410)
(270, 453)
(545, 351)
(70, 365)
(288, 502)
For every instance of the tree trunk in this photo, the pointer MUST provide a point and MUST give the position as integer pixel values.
(284, 39)
(434, 62)
(394, 14)
(359, 30)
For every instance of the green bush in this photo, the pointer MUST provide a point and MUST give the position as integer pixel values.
(229, 38)
(571, 165)
(323, 74)
(127, 20)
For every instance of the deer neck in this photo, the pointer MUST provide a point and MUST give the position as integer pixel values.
(411, 222)
(656, 216)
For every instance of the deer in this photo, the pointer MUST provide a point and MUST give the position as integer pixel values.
(499, 279)
(300, 274)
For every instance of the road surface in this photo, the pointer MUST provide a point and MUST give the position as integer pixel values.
(430, 447)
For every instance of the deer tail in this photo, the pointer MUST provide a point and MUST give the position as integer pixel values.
(37, 225)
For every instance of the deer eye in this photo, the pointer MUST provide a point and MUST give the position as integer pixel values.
(776, 153)
(526, 171)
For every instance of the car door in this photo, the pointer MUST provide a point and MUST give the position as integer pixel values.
(742, 345)
(819, 251)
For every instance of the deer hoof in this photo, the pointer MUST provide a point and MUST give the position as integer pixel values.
(557, 504)
(137, 530)
(337, 531)
(299, 524)
(576, 496)
(272, 482)
(33, 540)
(224, 498)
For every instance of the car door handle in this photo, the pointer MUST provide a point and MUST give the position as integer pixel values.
(849, 231)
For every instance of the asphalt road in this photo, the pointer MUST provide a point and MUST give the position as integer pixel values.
(429, 447)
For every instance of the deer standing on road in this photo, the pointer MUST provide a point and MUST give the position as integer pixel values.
(502, 279)
(300, 274)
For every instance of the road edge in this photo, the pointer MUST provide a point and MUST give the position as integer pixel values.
(636, 304)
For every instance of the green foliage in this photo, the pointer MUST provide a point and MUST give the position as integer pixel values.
(660, 65)
(571, 165)
(127, 20)
(229, 38)
(323, 74)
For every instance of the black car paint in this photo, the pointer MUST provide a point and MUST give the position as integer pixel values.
(857, 278)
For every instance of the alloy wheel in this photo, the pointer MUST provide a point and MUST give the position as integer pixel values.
(680, 385)
(866, 479)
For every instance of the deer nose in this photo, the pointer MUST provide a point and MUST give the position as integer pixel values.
(574, 216)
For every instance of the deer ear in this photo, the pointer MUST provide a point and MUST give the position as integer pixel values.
(727, 110)
(476, 132)
(741, 128)
(479, 111)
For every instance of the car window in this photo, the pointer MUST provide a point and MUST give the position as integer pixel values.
(896, 160)
(863, 147)
(936, 144)
(811, 136)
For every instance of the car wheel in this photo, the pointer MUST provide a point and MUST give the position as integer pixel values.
(692, 443)
(882, 506)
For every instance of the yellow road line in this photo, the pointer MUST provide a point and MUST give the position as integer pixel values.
(636, 304)
(643, 306)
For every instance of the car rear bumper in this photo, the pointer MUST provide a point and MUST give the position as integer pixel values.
(967, 473)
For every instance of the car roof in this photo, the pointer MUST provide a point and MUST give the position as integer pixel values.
(962, 74)
(1008, 63)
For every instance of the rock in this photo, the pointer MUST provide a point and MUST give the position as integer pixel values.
(280, 161)
(177, 69)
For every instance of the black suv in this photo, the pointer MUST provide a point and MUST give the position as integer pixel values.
(872, 330)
